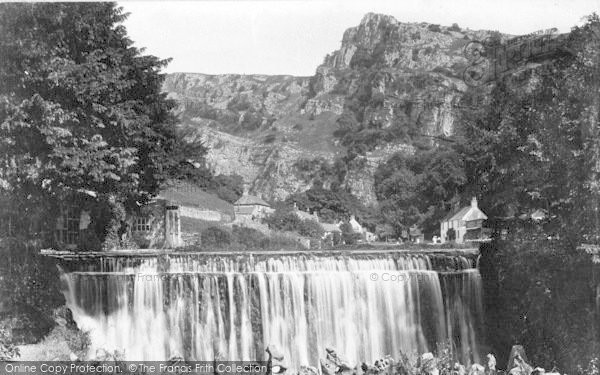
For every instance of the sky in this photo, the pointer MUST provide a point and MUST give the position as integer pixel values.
(293, 36)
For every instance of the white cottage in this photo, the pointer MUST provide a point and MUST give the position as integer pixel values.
(467, 222)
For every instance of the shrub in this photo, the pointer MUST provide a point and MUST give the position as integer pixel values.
(455, 27)
(215, 236)
(270, 138)
(593, 368)
(283, 219)
(530, 286)
(250, 238)
(415, 54)
(31, 281)
(310, 228)
(8, 350)
(349, 237)
(434, 28)
(239, 103)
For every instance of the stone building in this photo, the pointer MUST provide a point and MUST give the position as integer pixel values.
(364, 232)
(467, 223)
(249, 210)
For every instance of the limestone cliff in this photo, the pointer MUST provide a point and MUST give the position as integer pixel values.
(396, 81)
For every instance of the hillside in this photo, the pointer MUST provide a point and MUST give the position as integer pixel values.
(388, 87)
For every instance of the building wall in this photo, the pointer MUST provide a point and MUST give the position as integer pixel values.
(443, 230)
(458, 226)
(154, 215)
(197, 213)
(460, 232)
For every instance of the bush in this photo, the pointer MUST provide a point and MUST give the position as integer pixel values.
(455, 27)
(538, 293)
(30, 288)
(249, 238)
(283, 219)
(593, 368)
(434, 28)
(30, 280)
(215, 236)
(8, 350)
(270, 138)
(310, 228)
(239, 103)
(349, 237)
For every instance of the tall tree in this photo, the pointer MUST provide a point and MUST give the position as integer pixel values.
(81, 108)
(419, 189)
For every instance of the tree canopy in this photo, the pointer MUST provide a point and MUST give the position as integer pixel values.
(81, 108)
(419, 189)
(534, 143)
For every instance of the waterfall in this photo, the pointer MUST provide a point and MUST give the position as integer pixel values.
(231, 307)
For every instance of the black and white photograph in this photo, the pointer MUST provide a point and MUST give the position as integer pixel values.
(300, 187)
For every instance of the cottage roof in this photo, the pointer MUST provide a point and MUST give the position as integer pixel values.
(189, 195)
(331, 227)
(474, 213)
(303, 215)
(415, 231)
(250, 200)
(467, 213)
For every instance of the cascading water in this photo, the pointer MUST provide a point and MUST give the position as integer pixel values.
(231, 307)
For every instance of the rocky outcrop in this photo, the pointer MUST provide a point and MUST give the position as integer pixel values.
(399, 78)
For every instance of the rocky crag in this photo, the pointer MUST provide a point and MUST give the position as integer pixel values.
(388, 85)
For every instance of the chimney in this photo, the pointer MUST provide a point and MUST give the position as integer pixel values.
(474, 202)
(246, 189)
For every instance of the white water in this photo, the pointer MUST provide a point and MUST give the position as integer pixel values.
(231, 308)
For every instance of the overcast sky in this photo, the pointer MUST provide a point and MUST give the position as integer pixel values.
(292, 37)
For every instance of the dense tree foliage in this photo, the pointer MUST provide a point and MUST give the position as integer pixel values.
(534, 142)
(419, 189)
(334, 205)
(285, 219)
(81, 109)
(539, 294)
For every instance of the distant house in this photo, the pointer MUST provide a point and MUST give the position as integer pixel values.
(332, 234)
(331, 228)
(303, 215)
(250, 210)
(467, 223)
(195, 203)
(415, 234)
(357, 228)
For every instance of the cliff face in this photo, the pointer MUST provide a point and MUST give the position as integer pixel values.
(396, 82)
